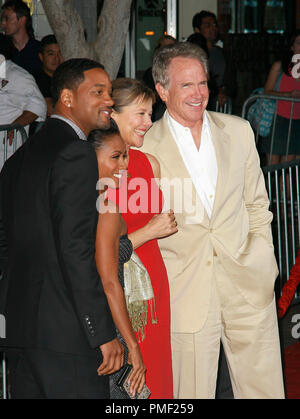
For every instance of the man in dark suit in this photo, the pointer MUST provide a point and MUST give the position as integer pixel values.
(60, 340)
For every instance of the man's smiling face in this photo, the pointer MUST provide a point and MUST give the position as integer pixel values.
(187, 95)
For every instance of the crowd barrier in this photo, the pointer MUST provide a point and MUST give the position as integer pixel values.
(5, 131)
(262, 98)
(227, 108)
(3, 394)
(283, 186)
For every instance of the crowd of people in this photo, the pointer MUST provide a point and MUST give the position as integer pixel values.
(103, 266)
(280, 82)
(29, 67)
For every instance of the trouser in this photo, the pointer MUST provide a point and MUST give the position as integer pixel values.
(251, 343)
(43, 374)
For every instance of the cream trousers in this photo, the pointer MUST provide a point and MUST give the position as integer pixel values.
(251, 344)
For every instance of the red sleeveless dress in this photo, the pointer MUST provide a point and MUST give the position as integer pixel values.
(142, 196)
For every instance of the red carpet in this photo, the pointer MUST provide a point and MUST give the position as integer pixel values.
(292, 371)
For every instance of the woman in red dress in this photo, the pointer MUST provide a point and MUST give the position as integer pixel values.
(141, 210)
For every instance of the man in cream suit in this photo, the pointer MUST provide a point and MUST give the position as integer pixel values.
(221, 263)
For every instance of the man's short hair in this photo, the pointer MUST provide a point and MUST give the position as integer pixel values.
(163, 57)
(6, 46)
(198, 17)
(21, 9)
(48, 40)
(69, 75)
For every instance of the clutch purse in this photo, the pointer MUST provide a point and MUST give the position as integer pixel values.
(122, 383)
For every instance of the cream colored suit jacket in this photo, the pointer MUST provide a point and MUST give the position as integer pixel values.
(238, 230)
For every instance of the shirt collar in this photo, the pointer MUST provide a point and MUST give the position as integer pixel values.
(178, 127)
(72, 124)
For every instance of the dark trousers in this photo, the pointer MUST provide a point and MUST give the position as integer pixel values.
(42, 374)
(224, 388)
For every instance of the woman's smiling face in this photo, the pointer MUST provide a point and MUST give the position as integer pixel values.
(133, 121)
(112, 160)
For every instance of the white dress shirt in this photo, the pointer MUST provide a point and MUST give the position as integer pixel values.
(18, 93)
(201, 164)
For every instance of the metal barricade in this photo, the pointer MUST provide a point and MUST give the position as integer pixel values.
(252, 99)
(3, 394)
(10, 134)
(227, 108)
(283, 185)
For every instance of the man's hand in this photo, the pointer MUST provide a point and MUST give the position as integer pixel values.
(10, 136)
(113, 357)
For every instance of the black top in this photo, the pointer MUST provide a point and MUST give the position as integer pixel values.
(44, 83)
(125, 252)
(28, 57)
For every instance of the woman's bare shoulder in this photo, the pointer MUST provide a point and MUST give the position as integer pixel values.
(154, 164)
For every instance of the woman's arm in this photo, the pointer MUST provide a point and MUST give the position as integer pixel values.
(161, 225)
(107, 260)
(271, 82)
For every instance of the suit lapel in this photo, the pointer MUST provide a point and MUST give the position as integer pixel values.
(172, 162)
(221, 143)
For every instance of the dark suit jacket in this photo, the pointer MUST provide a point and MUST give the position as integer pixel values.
(51, 295)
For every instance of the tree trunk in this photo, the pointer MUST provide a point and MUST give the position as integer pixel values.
(112, 29)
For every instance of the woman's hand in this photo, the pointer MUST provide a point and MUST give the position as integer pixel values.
(137, 377)
(162, 225)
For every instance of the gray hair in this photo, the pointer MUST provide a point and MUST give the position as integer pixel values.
(162, 59)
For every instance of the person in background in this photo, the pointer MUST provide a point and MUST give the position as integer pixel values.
(17, 23)
(198, 39)
(146, 223)
(221, 71)
(282, 82)
(21, 101)
(158, 106)
(51, 58)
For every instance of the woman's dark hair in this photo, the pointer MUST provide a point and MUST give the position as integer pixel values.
(21, 9)
(286, 61)
(99, 137)
(200, 40)
(69, 75)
